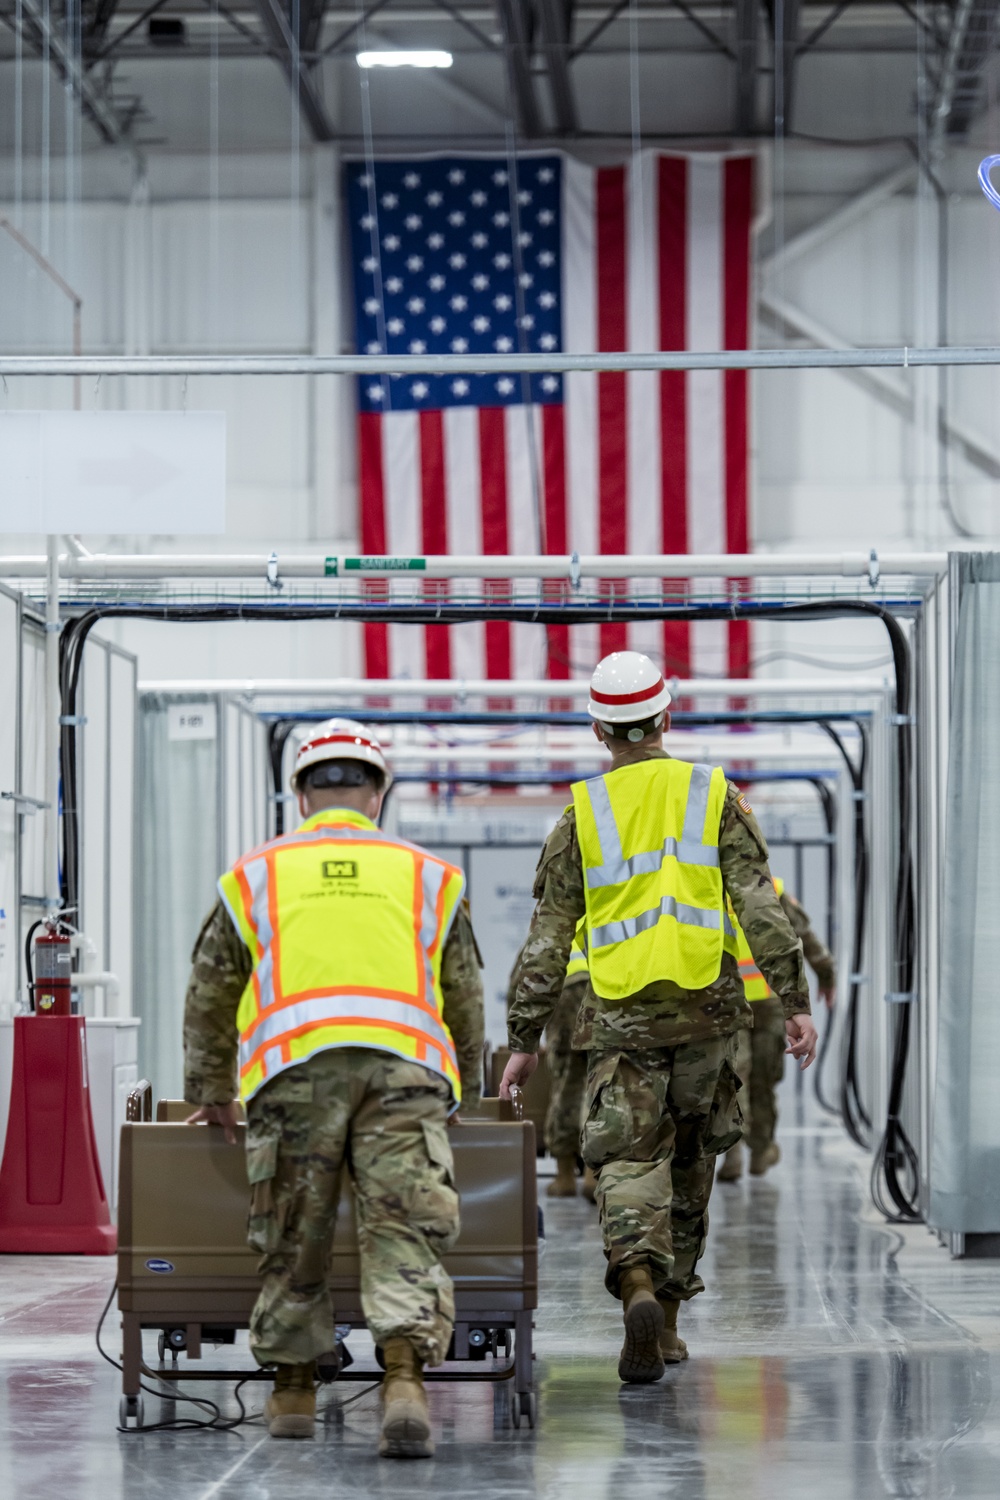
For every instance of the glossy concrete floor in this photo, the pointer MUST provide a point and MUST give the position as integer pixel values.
(833, 1358)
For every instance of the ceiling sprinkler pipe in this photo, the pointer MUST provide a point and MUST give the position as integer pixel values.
(123, 567)
(401, 687)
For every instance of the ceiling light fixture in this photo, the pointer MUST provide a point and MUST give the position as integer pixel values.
(400, 59)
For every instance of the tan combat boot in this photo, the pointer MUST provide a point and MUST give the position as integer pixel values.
(672, 1348)
(290, 1410)
(731, 1169)
(590, 1184)
(406, 1425)
(641, 1361)
(563, 1184)
(761, 1160)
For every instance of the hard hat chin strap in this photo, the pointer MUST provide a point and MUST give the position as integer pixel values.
(635, 731)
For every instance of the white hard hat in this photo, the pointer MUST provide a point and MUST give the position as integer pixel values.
(341, 739)
(627, 688)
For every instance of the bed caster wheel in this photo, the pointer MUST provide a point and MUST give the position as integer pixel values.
(130, 1411)
(523, 1405)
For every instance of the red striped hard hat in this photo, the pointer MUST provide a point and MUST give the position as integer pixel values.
(341, 739)
(627, 688)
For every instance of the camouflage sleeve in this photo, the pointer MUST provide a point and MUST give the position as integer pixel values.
(221, 970)
(462, 994)
(818, 955)
(747, 878)
(540, 970)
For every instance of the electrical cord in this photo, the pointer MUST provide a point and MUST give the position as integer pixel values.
(29, 967)
(217, 1423)
(857, 1121)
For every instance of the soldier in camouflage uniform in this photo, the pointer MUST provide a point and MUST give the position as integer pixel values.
(568, 1071)
(381, 1115)
(760, 1061)
(661, 1090)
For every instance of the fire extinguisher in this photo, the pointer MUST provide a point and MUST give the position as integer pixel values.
(51, 988)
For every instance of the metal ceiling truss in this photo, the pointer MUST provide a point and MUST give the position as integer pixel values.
(971, 41)
(293, 32)
(545, 26)
(46, 34)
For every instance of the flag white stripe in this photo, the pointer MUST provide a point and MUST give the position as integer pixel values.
(580, 389)
(401, 467)
(644, 517)
(465, 526)
(524, 495)
(706, 496)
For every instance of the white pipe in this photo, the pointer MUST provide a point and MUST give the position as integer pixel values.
(481, 687)
(902, 357)
(444, 756)
(124, 566)
(50, 873)
(101, 979)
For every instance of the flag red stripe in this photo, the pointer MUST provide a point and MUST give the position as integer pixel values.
(672, 210)
(371, 484)
(434, 524)
(612, 417)
(738, 213)
(493, 488)
(554, 523)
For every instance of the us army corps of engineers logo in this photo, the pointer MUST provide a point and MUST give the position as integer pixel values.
(340, 869)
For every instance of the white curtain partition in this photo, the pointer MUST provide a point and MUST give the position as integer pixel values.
(178, 865)
(965, 1157)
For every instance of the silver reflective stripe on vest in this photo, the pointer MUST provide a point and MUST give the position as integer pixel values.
(320, 1009)
(697, 804)
(688, 916)
(689, 849)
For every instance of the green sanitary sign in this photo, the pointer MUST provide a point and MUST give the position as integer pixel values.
(375, 566)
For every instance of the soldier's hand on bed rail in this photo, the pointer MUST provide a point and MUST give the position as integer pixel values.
(226, 1115)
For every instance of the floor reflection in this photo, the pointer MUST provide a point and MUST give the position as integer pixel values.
(832, 1359)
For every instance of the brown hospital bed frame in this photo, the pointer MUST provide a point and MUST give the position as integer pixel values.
(185, 1269)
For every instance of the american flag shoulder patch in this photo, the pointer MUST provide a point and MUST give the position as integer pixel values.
(744, 803)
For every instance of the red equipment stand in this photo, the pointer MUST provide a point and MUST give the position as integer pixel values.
(52, 1197)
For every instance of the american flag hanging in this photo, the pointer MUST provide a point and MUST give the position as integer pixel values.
(485, 255)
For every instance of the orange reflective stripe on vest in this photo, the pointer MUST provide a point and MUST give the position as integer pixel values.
(345, 927)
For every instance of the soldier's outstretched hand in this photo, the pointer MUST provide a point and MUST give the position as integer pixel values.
(517, 1072)
(226, 1115)
(802, 1039)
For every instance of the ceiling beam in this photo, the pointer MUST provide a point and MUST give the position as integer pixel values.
(747, 65)
(288, 49)
(517, 28)
(46, 35)
(971, 42)
(555, 24)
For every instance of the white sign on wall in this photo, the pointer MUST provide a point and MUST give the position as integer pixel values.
(118, 472)
(191, 721)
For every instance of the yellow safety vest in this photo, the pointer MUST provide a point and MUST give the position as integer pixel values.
(578, 953)
(755, 986)
(345, 927)
(649, 841)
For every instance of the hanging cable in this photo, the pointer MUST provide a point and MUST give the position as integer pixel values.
(896, 1162)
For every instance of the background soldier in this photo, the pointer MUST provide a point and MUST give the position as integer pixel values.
(760, 1060)
(648, 854)
(357, 1019)
(568, 1071)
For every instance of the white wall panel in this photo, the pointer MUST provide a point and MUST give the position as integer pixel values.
(9, 656)
(122, 811)
(94, 754)
(231, 276)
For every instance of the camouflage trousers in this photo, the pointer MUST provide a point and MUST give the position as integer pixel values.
(382, 1121)
(568, 1072)
(655, 1120)
(760, 1062)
